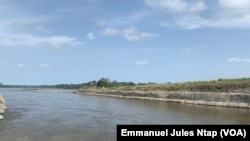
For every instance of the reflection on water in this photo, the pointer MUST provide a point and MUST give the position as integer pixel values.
(63, 116)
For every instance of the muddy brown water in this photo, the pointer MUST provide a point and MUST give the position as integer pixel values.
(63, 116)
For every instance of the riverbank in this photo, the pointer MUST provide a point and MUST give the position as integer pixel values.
(3, 107)
(237, 100)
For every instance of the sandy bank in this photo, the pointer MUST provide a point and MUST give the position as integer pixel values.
(3, 107)
(239, 100)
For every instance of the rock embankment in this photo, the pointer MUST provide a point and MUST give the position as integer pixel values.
(3, 107)
(239, 100)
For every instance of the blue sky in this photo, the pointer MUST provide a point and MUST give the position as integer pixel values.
(62, 41)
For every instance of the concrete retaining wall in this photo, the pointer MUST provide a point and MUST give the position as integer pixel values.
(239, 100)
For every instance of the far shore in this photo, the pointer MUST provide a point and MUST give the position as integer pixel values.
(53, 90)
(236, 100)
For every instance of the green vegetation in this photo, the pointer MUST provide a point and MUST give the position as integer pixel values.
(107, 83)
(220, 85)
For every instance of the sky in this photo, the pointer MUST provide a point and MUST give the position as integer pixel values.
(62, 41)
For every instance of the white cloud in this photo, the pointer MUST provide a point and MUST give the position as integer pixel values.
(233, 3)
(235, 59)
(146, 35)
(141, 62)
(224, 14)
(45, 65)
(19, 21)
(7, 39)
(20, 65)
(193, 22)
(91, 36)
(21, 28)
(132, 34)
(60, 40)
(111, 31)
(236, 15)
(196, 22)
(176, 5)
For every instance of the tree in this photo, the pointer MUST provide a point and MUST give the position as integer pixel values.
(131, 84)
(103, 82)
(92, 83)
(114, 83)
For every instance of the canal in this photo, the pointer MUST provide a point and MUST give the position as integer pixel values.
(64, 116)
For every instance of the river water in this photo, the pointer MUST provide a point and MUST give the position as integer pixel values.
(63, 116)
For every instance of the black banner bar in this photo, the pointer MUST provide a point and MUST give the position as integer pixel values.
(176, 132)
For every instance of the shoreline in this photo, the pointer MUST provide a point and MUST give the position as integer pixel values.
(52, 90)
(235, 100)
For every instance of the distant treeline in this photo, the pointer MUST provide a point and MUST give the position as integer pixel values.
(107, 83)
(58, 86)
(102, 83)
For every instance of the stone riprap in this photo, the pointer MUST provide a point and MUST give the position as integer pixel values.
(3, 107)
